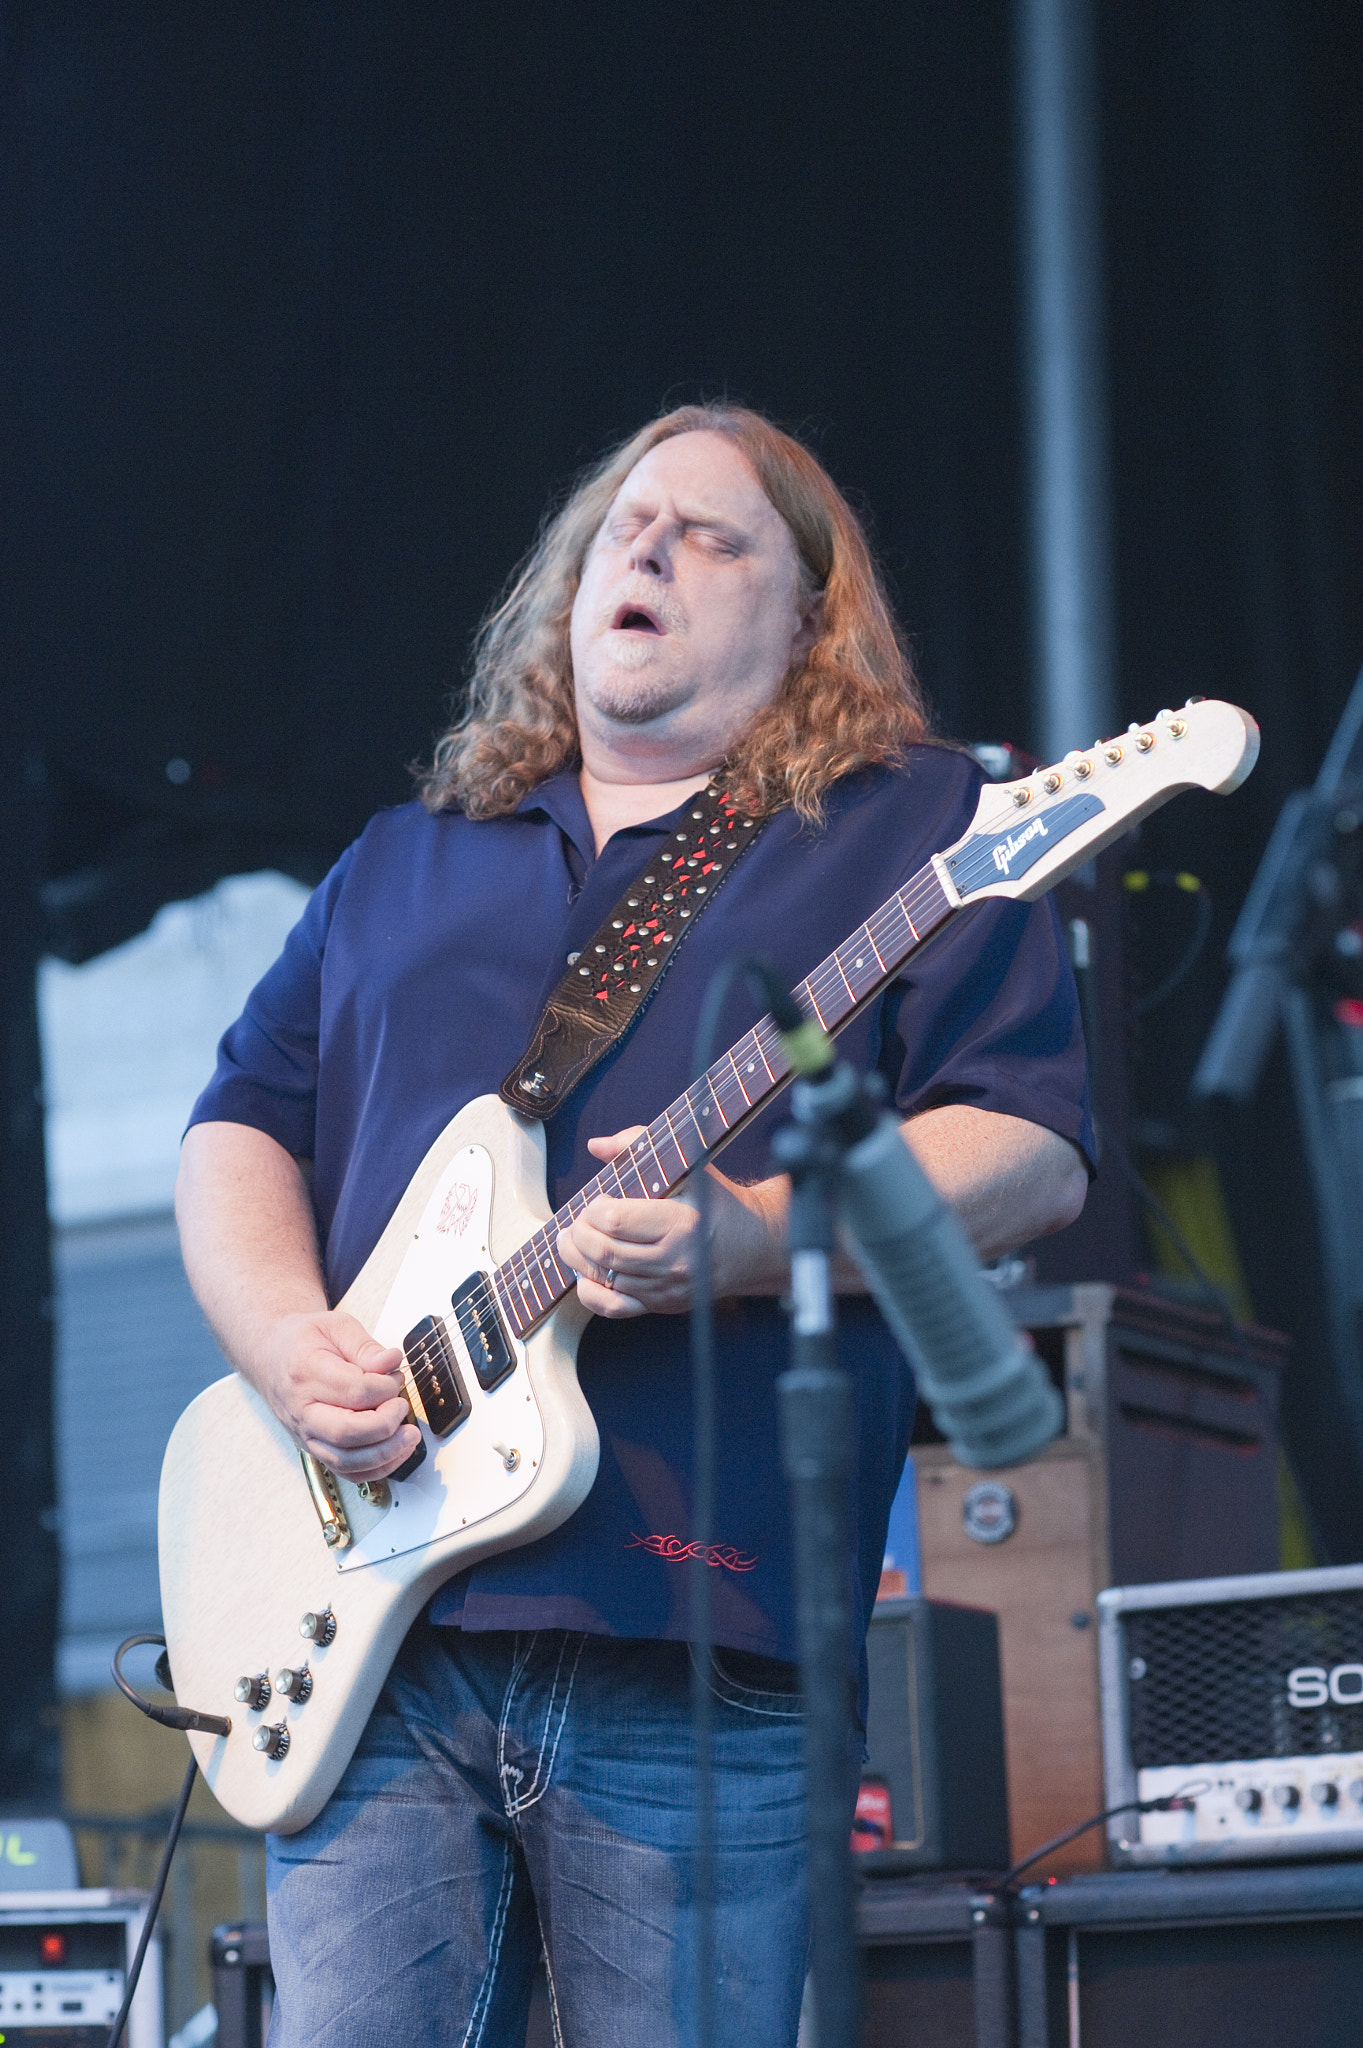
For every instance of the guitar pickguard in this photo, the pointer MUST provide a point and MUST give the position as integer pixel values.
(465, 1477)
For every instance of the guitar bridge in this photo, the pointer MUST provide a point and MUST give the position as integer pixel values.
(442, 1395)
(488, 1346)
(326, 1499)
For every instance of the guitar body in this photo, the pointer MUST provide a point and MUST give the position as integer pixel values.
(243, 1556)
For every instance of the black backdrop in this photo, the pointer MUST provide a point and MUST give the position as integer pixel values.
(307, 307)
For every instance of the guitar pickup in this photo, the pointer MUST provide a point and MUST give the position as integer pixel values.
(440, 1390)
(485, 1340)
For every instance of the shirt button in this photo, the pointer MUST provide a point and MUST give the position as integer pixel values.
(572, 959)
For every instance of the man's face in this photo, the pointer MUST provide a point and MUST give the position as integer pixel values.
(689, 615)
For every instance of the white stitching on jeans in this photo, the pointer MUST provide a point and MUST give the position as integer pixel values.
(483, 2003)
(538, 1790)
(505, 1771)
(554, 2020)
(791, 1713)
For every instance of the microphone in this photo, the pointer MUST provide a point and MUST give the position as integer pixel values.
(989, 1393)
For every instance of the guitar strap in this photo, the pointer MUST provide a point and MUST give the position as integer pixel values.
(605, 986)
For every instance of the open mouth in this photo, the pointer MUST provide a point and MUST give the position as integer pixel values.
(632, 618)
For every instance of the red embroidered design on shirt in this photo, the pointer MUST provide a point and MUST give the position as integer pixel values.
(674, 1551)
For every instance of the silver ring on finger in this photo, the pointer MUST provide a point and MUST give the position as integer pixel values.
(610, 1278)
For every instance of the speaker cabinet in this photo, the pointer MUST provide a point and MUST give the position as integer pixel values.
(1167, 1469)
(1182, 1959)
(935, 1736)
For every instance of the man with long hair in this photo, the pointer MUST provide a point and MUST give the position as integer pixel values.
(704, 605)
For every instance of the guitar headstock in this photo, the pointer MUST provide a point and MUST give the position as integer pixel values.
(1028, 835)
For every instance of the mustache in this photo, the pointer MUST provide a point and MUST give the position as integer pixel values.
(661, 604)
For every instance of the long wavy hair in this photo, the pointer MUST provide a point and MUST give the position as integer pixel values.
(851, 701)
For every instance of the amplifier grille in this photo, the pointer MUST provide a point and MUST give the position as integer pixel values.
(1209, 1684)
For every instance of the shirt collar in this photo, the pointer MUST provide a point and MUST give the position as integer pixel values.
(560, 798)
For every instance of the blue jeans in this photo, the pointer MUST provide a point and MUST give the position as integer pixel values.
(514, 1794)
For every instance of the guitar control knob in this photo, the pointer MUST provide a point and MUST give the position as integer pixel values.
(1287, 1797)
(294, 1685)
(318, 1628)
(1249, 1799)
(1325, 1795)
(254, 1692)
(272, 1741)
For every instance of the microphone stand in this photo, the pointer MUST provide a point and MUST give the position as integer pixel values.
(817, 1448)
(990, 1395)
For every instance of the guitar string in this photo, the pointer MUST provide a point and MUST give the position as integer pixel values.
(918, 894)
(540, 1247)
(922, 894)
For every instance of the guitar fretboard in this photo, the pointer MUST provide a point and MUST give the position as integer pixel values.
(691, 1130)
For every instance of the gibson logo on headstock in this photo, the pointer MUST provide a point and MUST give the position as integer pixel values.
(1007, 851)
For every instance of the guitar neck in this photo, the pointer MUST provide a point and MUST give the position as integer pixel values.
(728, 1095)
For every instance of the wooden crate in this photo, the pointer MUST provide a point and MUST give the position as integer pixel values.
(1167, 1470)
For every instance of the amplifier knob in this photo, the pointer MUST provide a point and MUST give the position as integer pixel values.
(1325, 1795)
(1287, 1797)
(294, 1685)
(319, 1628)
(254, 1692)
(272, 1741)
(1249, 1799)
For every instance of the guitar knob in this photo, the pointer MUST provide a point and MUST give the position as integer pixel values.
(318, 1628)
(254, 1692)
(271, 1741)
(294, 1685)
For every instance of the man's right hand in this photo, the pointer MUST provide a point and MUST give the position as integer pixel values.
(249, 1241)
(338, 1393)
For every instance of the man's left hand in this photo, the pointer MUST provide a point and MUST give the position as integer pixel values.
(633, 1258)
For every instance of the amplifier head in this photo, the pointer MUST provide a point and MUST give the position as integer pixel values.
(1244, 1695)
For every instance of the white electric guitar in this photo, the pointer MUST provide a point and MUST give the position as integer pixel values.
(287, 1591)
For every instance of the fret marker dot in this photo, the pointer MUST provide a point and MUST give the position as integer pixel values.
(654, 1185)
(861, 963)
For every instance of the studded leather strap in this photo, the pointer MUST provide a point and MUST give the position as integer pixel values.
(607, 984)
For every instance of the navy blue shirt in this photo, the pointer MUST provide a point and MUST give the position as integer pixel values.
(416, 976)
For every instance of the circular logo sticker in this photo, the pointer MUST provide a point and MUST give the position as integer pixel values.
(989, 1511)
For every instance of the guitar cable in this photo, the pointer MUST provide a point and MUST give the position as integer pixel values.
(183, 1719)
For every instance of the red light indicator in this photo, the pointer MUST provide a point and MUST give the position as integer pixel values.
(52, 1949)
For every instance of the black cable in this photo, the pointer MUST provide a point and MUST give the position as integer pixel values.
(1190, 886)
(182, 1719)
(158, 1889)
(1212, 1291)
(1173, 1802)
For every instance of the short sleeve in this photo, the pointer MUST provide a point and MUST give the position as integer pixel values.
(266, 1075)
(990, 1017)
